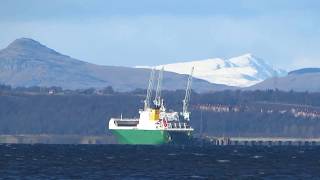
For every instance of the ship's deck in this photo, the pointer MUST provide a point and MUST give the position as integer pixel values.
(133, 123)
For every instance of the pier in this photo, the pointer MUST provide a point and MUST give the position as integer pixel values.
(264, 141)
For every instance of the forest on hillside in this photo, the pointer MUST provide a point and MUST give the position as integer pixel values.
(225, 113)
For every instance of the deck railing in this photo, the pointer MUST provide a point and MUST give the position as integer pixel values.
(178, 125)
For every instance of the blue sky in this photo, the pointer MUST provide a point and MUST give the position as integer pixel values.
(144, 32)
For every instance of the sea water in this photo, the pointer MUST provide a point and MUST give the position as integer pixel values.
(158, 162)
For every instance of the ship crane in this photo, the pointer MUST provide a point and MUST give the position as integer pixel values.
(185, 112)
(155, 125)
(149, 91)
(157, 98)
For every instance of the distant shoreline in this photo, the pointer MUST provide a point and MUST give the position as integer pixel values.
(109, 139)
(56, 139)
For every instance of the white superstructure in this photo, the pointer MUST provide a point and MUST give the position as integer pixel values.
(155, 116)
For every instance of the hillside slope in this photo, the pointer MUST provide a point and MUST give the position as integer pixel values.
(299, 80)
(26, 62)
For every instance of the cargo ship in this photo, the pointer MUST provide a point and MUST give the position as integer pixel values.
(155, 124)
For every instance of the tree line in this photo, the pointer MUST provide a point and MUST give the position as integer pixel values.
(87, 112)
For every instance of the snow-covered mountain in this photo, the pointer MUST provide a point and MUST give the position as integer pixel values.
(242, 71)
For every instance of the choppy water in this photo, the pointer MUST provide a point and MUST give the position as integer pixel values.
(157, 162)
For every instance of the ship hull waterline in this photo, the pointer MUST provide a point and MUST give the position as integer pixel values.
(151, 137)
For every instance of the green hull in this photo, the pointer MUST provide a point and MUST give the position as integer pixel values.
(152, 137)
(125, 136)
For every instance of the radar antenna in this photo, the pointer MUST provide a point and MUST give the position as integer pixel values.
(185, 112)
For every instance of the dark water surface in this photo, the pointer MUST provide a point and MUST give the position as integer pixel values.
(157, 162)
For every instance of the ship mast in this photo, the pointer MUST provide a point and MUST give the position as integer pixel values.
(149, 91)
(185, 112)
(157, 98)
